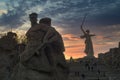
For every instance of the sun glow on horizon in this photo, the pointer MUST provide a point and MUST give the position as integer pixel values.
(74, 46)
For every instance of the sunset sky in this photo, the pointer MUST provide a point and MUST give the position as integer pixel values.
(103, 20)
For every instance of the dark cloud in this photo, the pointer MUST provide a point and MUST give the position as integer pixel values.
(16, 10)
(110, 17)
(65, 13)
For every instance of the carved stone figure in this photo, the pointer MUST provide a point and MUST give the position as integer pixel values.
(8, 42)
(88, 42)
(8, 45)
(43, 56)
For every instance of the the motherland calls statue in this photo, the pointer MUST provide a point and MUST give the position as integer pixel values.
(88, 43)
(43, 57)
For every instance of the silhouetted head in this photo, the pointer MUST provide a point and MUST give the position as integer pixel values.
(88, 31)
(46, 21)
(33, 17)
(11, 34)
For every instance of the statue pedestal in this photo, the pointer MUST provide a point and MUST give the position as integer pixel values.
(89, 57)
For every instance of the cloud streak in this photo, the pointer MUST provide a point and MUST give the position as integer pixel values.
(63, 11)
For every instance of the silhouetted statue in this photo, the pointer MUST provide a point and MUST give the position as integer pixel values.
(33, 19)
(54, 49)
(8, 45)
(88, 42)
(43, 56)
(9, 41)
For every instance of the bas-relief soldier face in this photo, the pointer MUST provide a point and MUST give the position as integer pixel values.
(49, 24)
(33, 19)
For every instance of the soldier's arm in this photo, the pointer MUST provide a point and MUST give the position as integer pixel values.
(50, 35)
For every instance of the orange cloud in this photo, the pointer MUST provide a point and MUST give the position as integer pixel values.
(99, 37)
(70, 37)
(75, 52)
(74, 46)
